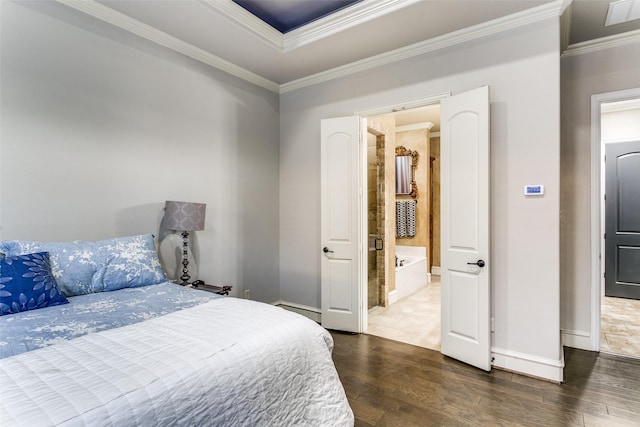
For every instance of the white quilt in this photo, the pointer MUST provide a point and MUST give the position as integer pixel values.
(227, 362)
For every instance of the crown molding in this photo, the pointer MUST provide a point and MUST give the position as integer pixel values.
(622, 105)
(108, 15)
(505, 23)
(150, 33)
(602, 43)
(314, 31)
(565, 27)
(340, 21)
(239, 15)
(415, 126)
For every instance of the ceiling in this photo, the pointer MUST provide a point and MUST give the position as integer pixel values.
(588, 20)
(287, 15)
(356, 33)
(355, 36)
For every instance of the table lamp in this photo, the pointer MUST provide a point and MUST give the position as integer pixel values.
(184, 217)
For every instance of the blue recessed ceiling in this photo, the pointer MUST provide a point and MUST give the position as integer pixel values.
(287, 15)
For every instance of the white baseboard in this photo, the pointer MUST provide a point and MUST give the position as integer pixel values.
(527, 364)
(393, 297)
(435, 270)
(577, 339)
(312, 313)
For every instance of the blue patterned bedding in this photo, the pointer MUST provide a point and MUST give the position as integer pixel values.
(30, 330)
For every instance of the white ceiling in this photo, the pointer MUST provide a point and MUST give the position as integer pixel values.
(588, 20)
(226, 30)
(226, 36)
(420, 116)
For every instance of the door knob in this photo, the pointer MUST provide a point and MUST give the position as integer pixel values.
(480, 263)
(326, 250)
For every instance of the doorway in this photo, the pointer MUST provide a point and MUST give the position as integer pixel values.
(465, 243)
(409, 307)
(619, 143)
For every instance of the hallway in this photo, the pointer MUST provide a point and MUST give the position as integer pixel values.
(620, 326)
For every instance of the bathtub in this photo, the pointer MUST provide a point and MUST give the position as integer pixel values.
(412, 274)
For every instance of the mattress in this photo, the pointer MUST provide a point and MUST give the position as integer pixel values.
(33, 329)
(224, 361)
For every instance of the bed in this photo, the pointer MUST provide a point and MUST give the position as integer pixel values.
(130, 348)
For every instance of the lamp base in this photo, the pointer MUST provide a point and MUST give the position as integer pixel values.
(184, 279)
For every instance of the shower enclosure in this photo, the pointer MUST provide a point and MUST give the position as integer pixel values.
(376, 219)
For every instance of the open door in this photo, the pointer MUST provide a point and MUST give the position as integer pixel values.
(465, 259)
(340, 189)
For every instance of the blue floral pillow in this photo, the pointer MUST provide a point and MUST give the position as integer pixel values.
(87, 267)
(26, 283)
(128, 262)
(73, 264)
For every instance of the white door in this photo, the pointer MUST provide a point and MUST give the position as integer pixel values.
(340, 189)
(465, 259)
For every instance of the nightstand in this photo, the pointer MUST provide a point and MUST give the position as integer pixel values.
(220, 290)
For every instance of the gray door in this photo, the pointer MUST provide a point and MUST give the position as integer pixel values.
(622, 220)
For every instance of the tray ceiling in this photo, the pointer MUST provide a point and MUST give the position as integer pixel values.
(363, 34)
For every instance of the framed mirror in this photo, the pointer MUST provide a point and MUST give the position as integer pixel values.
(406, 164)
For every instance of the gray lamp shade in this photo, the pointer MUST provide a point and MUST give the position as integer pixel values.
(184, 216)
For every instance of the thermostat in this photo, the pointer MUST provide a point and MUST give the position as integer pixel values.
(533, 190)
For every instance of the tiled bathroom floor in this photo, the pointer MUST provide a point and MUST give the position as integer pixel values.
(416, 320)
(413, 320)
(620, 326)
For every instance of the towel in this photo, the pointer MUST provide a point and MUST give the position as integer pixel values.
(406, 218)
(411, 218)
(401, 219)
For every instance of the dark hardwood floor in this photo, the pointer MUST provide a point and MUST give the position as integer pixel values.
(394, 384)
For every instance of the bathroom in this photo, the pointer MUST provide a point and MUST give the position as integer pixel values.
(404, 223)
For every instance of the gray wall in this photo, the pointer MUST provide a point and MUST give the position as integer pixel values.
(99, 128)
(584, 75)
(522, 68)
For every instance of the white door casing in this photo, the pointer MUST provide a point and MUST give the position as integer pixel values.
(597, 208)
(339, 232)
(465, 334)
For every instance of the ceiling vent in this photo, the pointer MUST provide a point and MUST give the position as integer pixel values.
(622, 11)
